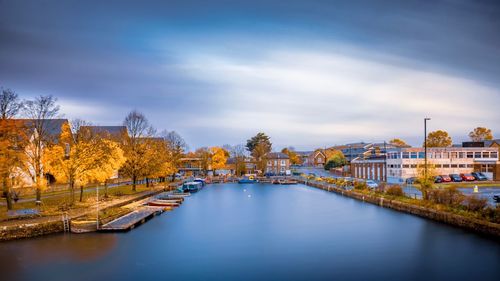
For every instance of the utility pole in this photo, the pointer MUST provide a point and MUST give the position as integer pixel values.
(425, 147)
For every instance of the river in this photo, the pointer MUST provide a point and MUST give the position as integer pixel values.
(262, 232)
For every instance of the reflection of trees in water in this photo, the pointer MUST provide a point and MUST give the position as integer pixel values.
(17, 256)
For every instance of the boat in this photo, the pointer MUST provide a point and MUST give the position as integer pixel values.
(285, 181)
(249, 179)
(200, 180)
(192, 186)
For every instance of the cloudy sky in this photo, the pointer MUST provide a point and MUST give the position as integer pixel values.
(308, 73)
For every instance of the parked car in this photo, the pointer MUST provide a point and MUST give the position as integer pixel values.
(467, 177)
(371, 184)
(412, 180)
(479, 176)
(455, 177)
(438, 179)
(445, 178)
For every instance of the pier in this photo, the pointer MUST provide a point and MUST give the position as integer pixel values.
(130, 220)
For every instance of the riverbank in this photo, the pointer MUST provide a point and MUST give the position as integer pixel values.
(473, 224)
(33, 227)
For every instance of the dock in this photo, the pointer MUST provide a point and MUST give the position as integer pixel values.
(130, 220)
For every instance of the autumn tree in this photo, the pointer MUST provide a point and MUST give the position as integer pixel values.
(39, 111)
(176, 147)
(81, 156)
(259, 146)
(12, 142)
(294, 157)
(398, 142)
(438, 138)
(425, 178)
(205, 156)
(481, 134)
(218, 158)
(335, 159)
(135, 147)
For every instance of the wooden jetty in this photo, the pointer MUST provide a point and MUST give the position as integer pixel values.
(169, 203)
(132, 219)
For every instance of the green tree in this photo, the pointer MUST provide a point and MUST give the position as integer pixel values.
(438, 138)
(259, 146)
(481, 134)
(260, 138)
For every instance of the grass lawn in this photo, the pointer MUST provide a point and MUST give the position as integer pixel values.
(54, 204)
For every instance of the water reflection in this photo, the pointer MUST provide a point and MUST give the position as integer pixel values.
(280, 233)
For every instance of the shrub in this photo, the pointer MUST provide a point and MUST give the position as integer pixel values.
(492, 213)
(475, 203)
(360, 185)
(394, 190)
(450, 196)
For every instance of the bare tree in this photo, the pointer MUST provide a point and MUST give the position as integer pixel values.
(238, 152)
(9, 103)
(39, 110)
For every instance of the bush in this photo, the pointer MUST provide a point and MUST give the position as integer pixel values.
(475, 203)
(447, 196)
(360, 185)
(394, 190)
(492, 213)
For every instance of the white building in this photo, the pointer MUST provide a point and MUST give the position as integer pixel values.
(404, 163)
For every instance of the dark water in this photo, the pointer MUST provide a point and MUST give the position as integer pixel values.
(278, 233)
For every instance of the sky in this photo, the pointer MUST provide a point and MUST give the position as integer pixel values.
(307, 73)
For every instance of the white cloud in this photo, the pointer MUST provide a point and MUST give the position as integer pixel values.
(320, 97)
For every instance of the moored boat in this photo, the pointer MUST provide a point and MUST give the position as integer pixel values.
(249, 179)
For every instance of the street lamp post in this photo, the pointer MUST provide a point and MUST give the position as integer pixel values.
(425, 147)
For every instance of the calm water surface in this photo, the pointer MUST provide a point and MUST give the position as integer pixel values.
(262, 232)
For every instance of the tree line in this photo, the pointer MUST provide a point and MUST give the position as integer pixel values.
(79, 153)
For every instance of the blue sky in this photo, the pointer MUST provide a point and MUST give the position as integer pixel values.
(308, 73)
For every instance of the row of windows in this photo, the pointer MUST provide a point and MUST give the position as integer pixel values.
(270, 163)
(439, 166)
(444, 155)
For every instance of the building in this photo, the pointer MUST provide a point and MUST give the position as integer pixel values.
(372, 167)
(404, 163)
(317, 158)
(304, 157)
(277, 163)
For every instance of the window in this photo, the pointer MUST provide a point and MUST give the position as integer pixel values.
(282, 162)
(486, 154)
(454, 165)
(413, 166)
(470, 154)
(438, 155)
(439, 166)
(446, 155)
(494, 154)
(477, 154)
(275, 162)
(470, 166)
(406, 155)
(454, 155)
(461, 165)
(406, 166)
(461, 155)
(413, 155)
(446, 166)
(421, 155)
